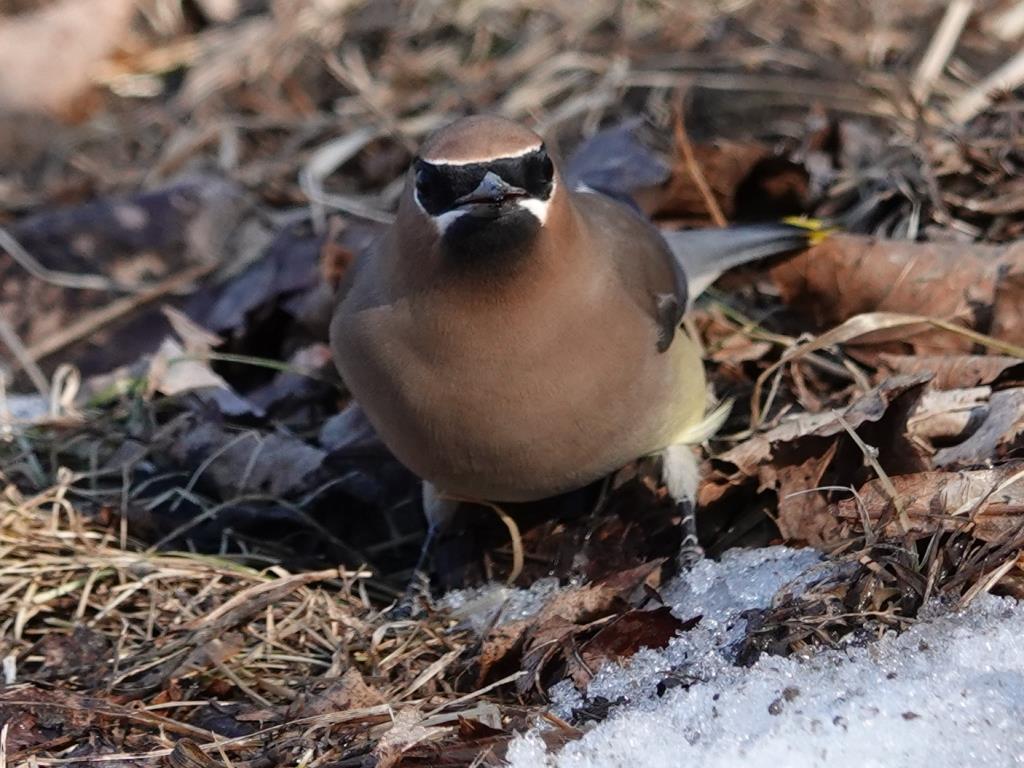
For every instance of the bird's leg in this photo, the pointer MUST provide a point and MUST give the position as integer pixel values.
(680, 474)
(439, 511)
(691, 552)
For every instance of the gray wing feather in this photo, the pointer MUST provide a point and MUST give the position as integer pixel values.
(706, 254)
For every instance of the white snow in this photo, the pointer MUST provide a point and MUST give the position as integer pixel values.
(477, 608)
(946, 693)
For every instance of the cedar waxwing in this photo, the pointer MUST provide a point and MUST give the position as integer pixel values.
(511, 338)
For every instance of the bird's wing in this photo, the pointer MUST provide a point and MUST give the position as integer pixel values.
(704, 255)
(615, 163)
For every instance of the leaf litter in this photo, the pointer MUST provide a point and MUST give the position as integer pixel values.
(200, 534)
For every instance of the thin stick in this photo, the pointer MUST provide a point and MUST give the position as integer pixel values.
(24, 357)
(32, 265)
(517, 542)
(871, 456)
(1006, 25)
(686, 147)
(1007, 78)
(518, 557)
(940, 48)
(92, 322)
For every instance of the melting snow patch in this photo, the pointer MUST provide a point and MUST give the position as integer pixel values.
(947, 692)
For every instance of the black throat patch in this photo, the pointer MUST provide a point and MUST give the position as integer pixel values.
(489, 235)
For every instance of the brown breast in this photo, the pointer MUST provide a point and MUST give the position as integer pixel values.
(518, 391)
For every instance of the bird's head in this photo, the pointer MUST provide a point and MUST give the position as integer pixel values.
(485, 185)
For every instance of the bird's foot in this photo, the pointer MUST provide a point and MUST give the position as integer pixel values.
(416, 592)
(691, 552)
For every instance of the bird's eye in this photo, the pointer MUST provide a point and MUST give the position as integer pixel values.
(422, 171)
(540, 172)
(431, 189)
(547, 167)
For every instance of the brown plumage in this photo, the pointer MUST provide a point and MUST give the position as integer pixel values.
(481, 137)
(529, 379)
(511, 344)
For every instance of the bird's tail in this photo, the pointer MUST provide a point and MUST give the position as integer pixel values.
(706, 254)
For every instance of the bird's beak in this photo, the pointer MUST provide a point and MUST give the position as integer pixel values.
(492, 190)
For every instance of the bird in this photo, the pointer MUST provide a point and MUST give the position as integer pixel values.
(516, 334)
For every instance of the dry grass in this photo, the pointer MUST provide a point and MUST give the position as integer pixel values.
(148, 648)
(131, 655)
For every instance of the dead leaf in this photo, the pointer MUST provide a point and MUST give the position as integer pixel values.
(748, 180)
(32, 715)
(946, 417)
(994, 438)
(623, 637)
(979, 286)
(748, 455)
(197, 340)
(83, 656)
(804, 515)
(101, 269)
(956, 371)
(501, 651)
(616, 162)
(810, 450)
(552, 634)
(173, 371)
(406, 732)
(274, 463)
(990, 501)
(350, 691)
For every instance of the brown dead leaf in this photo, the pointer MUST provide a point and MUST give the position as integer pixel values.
(803, 512)
(989, 501)
(501, 651)
(970, 426)
(623, 637)
(738, 348)
(349, 691)
(592, 601)
(406, 732)
(547, 640)
(956, 371)
(979, 286)
(84, 654)
(33, 715)
(748, 181)
(947, 417)
(751, 453)
(997, 437)
(814, 449)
